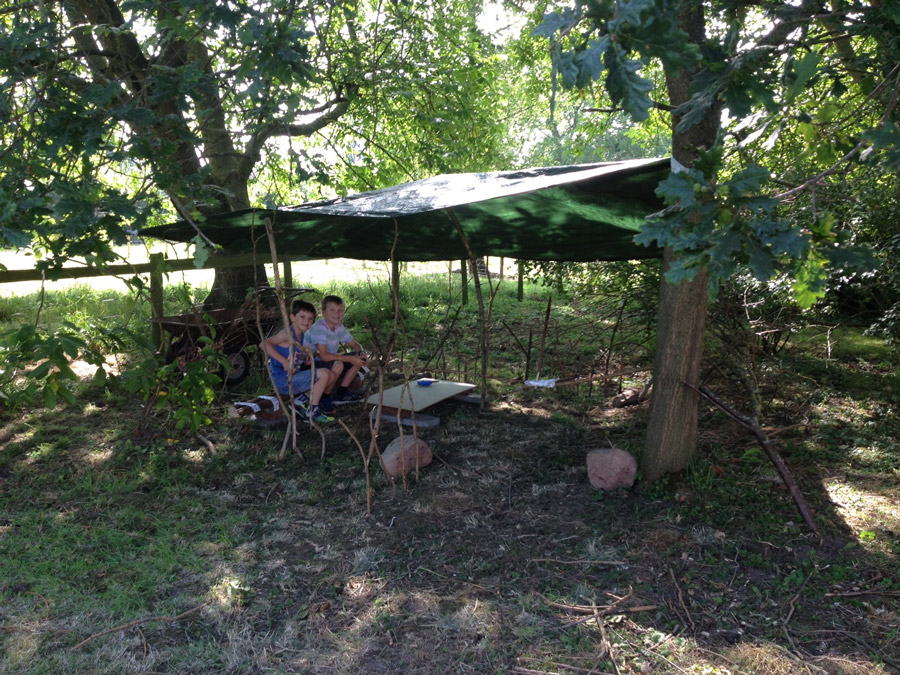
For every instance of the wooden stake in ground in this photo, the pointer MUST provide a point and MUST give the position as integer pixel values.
(482, 320)
(290, 411)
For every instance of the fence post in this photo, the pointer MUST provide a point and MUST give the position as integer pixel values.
(157, 264)
(288, 274)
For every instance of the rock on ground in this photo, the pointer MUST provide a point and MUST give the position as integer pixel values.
(610, 468)
(417, 451)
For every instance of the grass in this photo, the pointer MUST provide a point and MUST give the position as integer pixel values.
(482, 563)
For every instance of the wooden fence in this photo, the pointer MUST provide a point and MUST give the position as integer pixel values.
(156, 268)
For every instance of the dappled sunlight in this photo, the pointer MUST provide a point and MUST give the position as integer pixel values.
(98, 456)
(232, 590)
(194, 456)
(873, 517)
(21, 647)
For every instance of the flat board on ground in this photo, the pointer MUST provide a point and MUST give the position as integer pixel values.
(415, 397)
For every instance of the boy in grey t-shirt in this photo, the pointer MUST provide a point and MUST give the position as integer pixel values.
(325, 337)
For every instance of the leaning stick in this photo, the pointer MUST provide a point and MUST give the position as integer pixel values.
(780, 466)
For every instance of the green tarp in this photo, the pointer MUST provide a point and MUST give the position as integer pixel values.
(568, 213)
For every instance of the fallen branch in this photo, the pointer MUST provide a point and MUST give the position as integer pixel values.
(776, 459)
(138, 622)
(589, 609)
(612, 612)
(579, 562)
(850, 594)
(208, 443)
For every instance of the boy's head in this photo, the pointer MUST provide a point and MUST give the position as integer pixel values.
(331, 300)
(303, 313)
(333, 310)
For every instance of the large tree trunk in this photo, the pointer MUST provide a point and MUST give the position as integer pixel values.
(672, 427)
(232, 284)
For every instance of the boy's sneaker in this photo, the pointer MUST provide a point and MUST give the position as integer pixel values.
(349, 396)
(316, 415)
(302, 398)
(301, 408)
(326, 405)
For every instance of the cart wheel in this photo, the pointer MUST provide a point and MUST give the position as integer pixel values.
(240, 368)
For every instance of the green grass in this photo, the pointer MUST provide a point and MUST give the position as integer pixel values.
(101, 526)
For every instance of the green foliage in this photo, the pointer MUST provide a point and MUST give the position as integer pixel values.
(35, 364)
(185, 387)
(726, 225)
(645, 28)
(779, 92)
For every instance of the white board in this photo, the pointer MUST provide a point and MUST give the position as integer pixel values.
(415, 397)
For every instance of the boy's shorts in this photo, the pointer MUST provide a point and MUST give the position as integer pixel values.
(301, 381)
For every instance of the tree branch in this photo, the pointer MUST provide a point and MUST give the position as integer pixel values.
(776, 459)
(335, 109)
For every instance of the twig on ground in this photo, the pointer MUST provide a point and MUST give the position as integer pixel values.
(589, 609)
(850, 594)
(787, 619)
(607, 645)
(614, 563)
(138, 622)
(681, 601)
(793, 607)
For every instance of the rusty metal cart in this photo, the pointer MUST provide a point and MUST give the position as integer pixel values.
(232, 331)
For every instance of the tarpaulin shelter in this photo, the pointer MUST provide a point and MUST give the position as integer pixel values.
(582, 212)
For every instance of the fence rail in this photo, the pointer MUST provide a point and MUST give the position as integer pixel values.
(157, 266)
(172, 265)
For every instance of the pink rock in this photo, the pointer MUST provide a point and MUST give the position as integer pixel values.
(610, 468)
(398, 461)
(627, 397)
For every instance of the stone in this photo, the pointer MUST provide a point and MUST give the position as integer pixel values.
(628, 397)
(610, 468)
(415, 452)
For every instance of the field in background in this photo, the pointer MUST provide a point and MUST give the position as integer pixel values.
(311, 272)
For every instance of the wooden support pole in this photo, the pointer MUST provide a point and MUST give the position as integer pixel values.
(520, 290)
(482, 318)
(463, 270)
(157, 265)
(540, 363)
(288, 274)
(395, 280)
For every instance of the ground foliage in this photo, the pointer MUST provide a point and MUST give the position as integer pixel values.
(486, 561)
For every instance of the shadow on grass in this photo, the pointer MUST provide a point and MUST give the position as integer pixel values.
(490, 562)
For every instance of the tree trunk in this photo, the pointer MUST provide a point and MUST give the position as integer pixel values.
(672, 426)
(232, 284)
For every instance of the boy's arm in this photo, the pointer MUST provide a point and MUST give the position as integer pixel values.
(359, 348)
(323, 354)
(269, 347)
